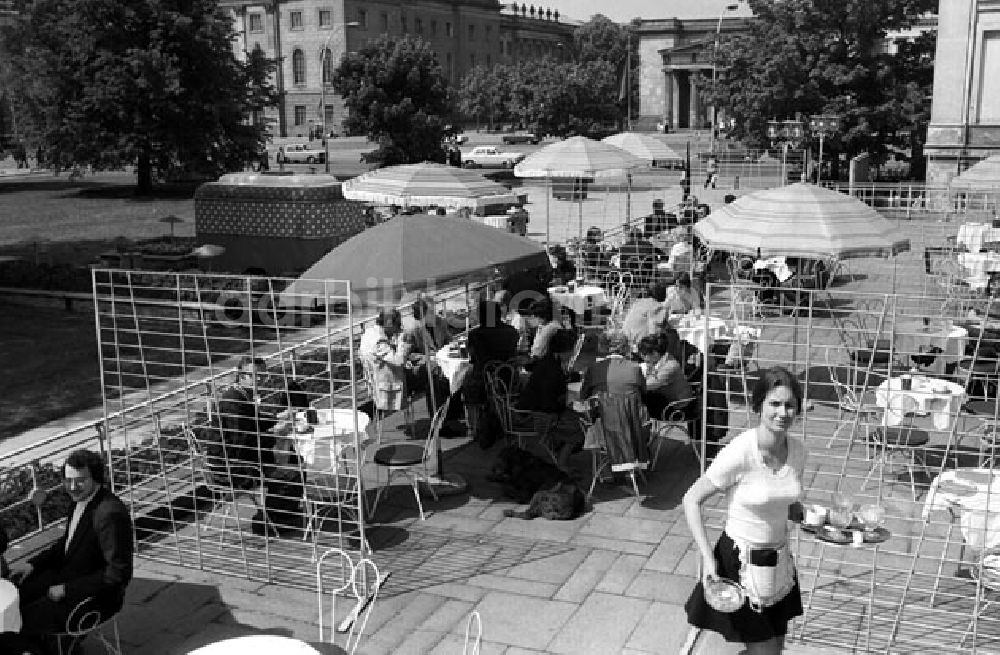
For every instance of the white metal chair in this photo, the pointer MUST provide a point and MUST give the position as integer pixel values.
(473, 634)
(411, 460)
(673, 420)
(88, 620)
(218, 479)
(333, 485)
(380, 396)
(851, 404)
(337, 574)
(898, 435)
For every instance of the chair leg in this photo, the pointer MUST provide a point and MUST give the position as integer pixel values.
(416, 494)
(840, 426)
(940, 568)
(635, 484)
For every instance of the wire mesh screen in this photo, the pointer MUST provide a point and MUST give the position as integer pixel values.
(900, 422)
(232, 428)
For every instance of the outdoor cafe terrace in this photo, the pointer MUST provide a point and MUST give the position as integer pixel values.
(907, 338)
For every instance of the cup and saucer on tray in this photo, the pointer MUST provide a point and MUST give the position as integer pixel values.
(841, 526)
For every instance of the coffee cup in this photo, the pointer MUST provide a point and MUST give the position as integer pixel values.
(814, 515)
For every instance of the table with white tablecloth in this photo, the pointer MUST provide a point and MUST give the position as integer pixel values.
(580, 299)
(454, 363)
(975, 235)
(320, 445)
(975, 493)
(10, 611)
(979, 266)
(950, 340)
(700, 331)
(777, 265)
(257, 645)
(941, 399)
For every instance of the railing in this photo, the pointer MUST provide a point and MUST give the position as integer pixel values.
(913, 198)
(30, 474)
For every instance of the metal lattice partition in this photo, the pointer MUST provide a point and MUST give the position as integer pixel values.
(169, 347)
(926, 589)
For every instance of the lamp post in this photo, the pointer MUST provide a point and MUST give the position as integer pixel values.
(785, 133)
(322, 87)
(715, 52)
(823, 124)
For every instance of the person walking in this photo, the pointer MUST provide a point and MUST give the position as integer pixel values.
(761, 472)
(711, 171)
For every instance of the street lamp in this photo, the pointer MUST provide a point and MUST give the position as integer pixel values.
(715, 52)
(824, 125)
(785, 133)
(322, 87)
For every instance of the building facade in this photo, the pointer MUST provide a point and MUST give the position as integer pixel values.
(965, 109)
(310, 37)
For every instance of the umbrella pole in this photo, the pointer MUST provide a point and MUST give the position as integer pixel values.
(579, 200)
(548, 197)
(628, 199)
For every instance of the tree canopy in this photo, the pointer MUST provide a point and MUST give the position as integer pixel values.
(397, 95)
(807, 57)
(582, 95)
(150, 82)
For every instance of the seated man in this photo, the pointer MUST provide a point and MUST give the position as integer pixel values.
(681, 298)
(92, 559)
(244, 438)
(425, 330)
(647, 315)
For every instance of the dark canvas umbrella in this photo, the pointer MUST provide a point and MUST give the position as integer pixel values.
(412, 253)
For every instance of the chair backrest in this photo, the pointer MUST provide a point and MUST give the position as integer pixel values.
(217, 477)
(574, 355)
(85, 617)
(473, 634)
(356, 581)
(434, 433)
(624, 419)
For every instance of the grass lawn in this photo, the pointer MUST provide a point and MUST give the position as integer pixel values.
(50, 366)
(65, 221)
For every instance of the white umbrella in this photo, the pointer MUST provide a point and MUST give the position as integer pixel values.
(577, 157)
(644, 146)
(426, 184)
(983, 175)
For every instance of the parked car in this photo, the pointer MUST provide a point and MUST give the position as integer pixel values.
(301, 153)
(490, 157)
(526, 137)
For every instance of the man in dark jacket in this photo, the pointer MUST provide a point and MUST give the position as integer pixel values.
(92, 559)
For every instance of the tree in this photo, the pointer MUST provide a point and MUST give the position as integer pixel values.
(602, 40)
(805, 57)
(153, 83)
(396, 94)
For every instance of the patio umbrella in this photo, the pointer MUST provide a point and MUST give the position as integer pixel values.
(984, 175)
(413, 253)
(427, 184)
(577, 157)
(643, 146)
(801, 220)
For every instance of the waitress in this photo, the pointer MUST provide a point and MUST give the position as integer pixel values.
(760, 471)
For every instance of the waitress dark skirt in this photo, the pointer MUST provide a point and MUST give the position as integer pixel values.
(743, 625)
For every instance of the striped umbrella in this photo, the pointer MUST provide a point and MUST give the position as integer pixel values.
(427, 184)
(983, 176)
(575, 158)
(644, 146)
(801, 220)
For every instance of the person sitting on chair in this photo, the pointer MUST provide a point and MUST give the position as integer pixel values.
(647, 315)
(594, 255)
(244, 438)
(665, 380)
(425, 330)
(91, 560)
(681, 298)
(613, 372)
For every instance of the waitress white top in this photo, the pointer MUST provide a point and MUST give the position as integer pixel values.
(758, 496)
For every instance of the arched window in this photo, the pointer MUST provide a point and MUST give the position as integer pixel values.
(298, 67)
(327, 58)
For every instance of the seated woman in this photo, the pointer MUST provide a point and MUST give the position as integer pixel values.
(665, 381)
(613, 372)
(681, 298)
(563, 270)
(594, 255)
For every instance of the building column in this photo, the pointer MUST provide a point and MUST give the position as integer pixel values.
(668, 105)
(675, 106)
(695, 104)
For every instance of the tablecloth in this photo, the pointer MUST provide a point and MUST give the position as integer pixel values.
(940, 398)
(980, 263)
(952, 343)
(257, 645)
(974, 235)
(975, 492)
(10, 612)
(776, 265)
(452, 366)
(700, 331)
(579, 300)
(320, 447)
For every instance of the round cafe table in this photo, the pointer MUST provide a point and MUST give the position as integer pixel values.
(452, 364)
(699, 331)
(940, 398)
(10, 611)
(581, 299)
(320, 445)
(257, 645)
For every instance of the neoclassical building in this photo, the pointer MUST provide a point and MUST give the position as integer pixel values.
(674, 50)
(309, 38)
(965, 109)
